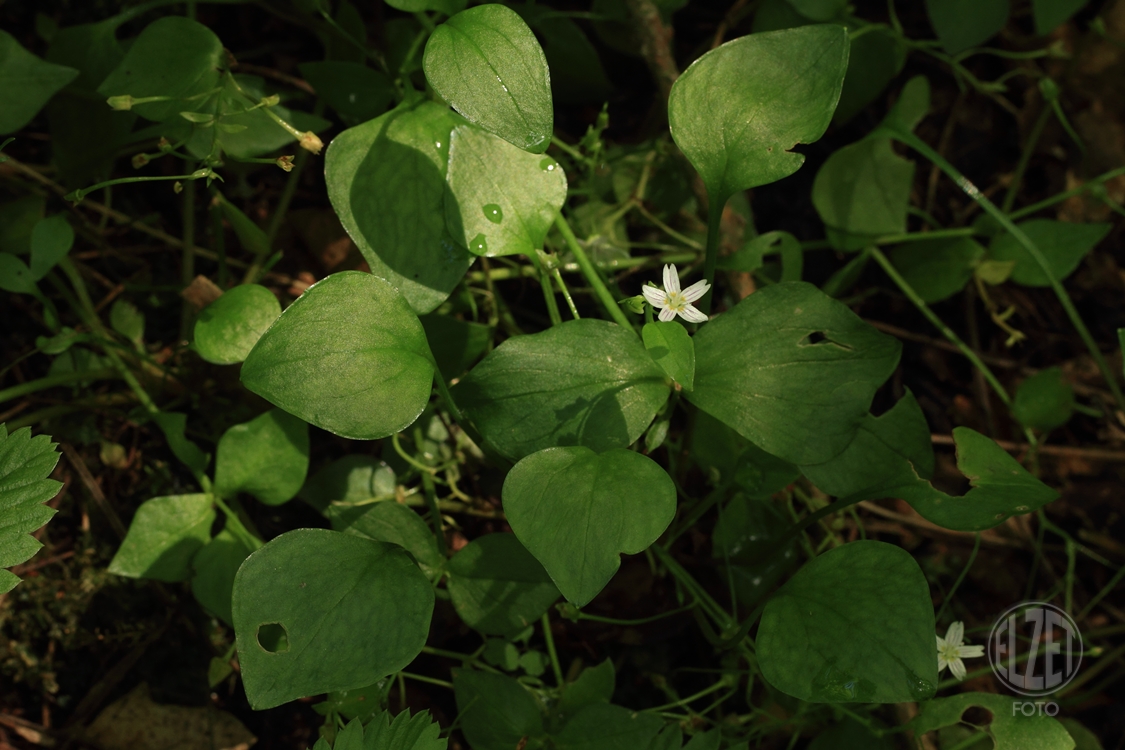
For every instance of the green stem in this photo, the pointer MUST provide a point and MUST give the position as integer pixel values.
(714, 220)
(548, 292)
(709, 605)
(234, 523)
(946, 331)
(429, 680)
(565, 293)
(1025, 159)
(1032, 249)
(684, 701)
(591, 274)
(435, 512)
(291, 183)
(642, 621)
(960, 578)
(187, 257)
(1116, 579)
(550, 639)
(1059, 197)
(78, 195)
(52, 380)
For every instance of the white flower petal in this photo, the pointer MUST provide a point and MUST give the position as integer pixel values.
(690, 314)
(696, 290)
(941, 663)
(955, 636)
(957, 667)
(667, 314)
(940, 642)
(970, 652)
(656, 297)
(671, 279)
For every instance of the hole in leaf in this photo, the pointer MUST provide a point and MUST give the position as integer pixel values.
(815, 338)
(273, 638)
(978, 716)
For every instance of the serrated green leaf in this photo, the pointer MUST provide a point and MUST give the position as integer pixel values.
(792, 370)
(349, 356)
(318, 587)
(854, 625)
(164, 537)
(670, 346)
(489, 66)
(267, 457)
(1063, 244)
(500, 200)
(497, 586)
(1009, 730)
(173, 57)
(577, 511)
(386, 181)
(25, 464)
(27, 82)
(403, 732)
(583, 382)
(228, 328)
(735, 128)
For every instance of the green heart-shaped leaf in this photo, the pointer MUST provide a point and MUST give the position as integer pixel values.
(578, 511)
(501, 200)
(173, 57)
(736, 111)
(583, 382)
(1062, 243)
(961, 24)
(487, 63)
(497, 713)
(497, 586)
(853, 625)
(386, 181)
(938, 269)
(267, 457)
(1044, 401)
(317, 610)
(349, 356)
(792, 370)
(214, 568)
(228, 328)
(27, 83)
(164, 536)
(864, 189)
(670, 347)
(1008, 730)
(398, 524)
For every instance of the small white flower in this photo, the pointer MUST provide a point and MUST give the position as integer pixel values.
(952, 649)
(672, 302)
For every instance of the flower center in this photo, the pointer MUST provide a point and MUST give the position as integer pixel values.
(676, 301)
(950, 652)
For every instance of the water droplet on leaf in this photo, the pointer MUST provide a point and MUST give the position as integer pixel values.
(547, 164)
(493, 212)
(478, 245)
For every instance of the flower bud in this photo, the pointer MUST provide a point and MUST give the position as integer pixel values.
(122, 103)
(311, 142)
(271, 101)
(177, 187)
(140, 160)
(164, 145)
(285, 162)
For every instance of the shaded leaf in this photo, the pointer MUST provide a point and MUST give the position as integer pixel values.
(164, 536)
(863, 189)
(351, 611)
(1063, 244)
(578, 511)
(1009, 730)
(1044, 401)
(214, 568)
(961, 24)
(398, 524)
(228, 328)
(670, 346)
(349, 356)
(938, 269)
(497, 713)
(25, 464)
(51, 240)
(854, 625)
(27, 82)
(267, 457)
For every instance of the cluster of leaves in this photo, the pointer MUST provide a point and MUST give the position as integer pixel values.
(777, 388)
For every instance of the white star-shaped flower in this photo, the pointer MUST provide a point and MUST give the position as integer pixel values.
(670, 301)
(952, 649)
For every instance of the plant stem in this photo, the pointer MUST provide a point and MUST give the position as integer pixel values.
(960, 578)
(565, 293)
(591, 274)
(1025, 159)
(1059, 197)
(684, 701)
(548, 291)
(946, 331)
(714, 220)
(641, 621)
(430, 680)
(187, 257)
(709, 605)
(236, 526)
(1032, 249)
(51, 381)
(550, 639)
(435, 512)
